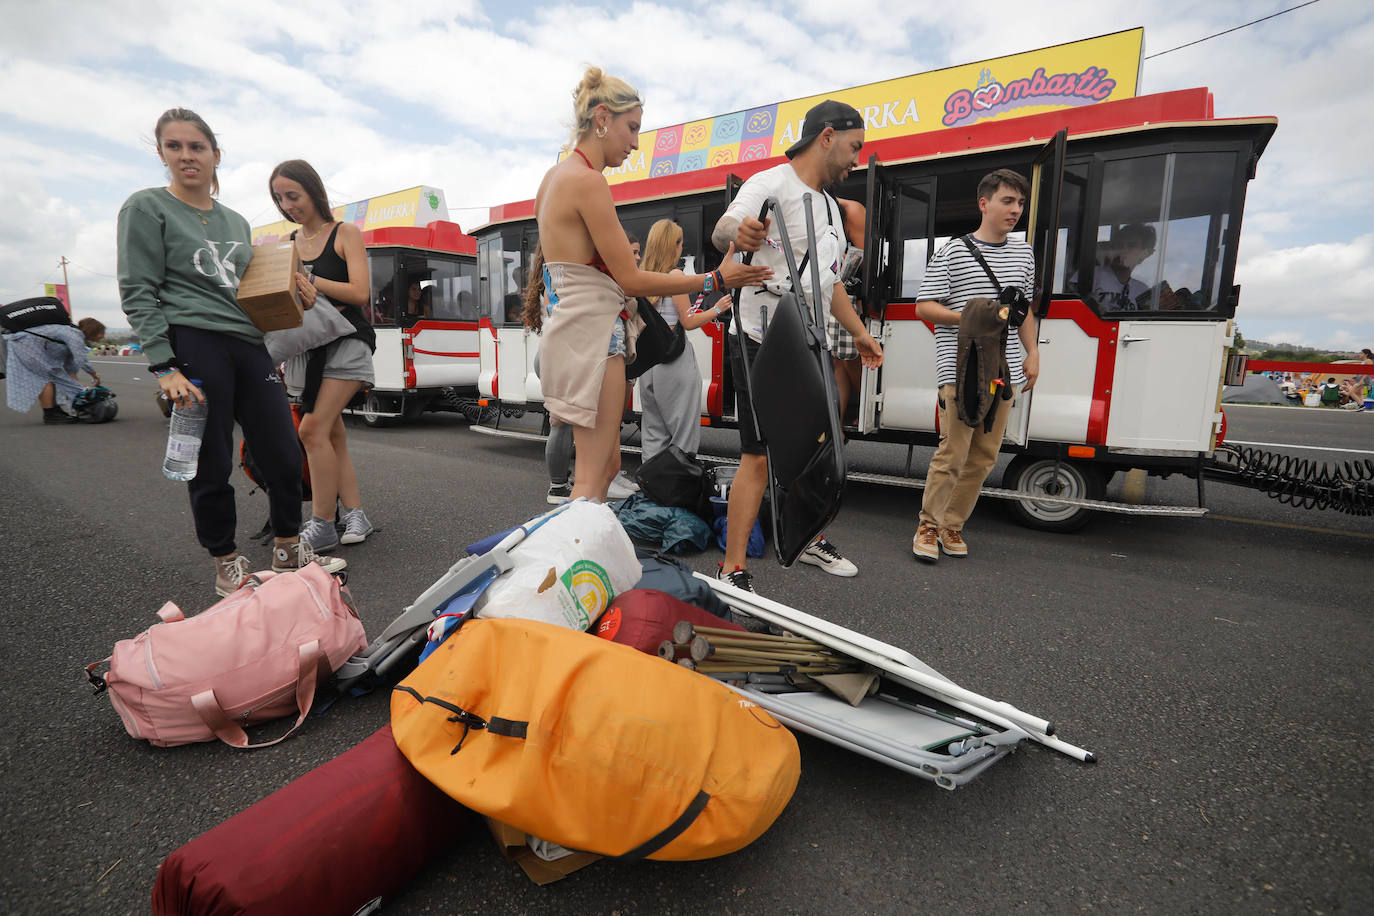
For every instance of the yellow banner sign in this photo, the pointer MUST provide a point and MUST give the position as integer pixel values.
(412, 207)
(1062, 76)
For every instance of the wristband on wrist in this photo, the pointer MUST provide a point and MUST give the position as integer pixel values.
(720, 279)
(708, 282)
(163, 373)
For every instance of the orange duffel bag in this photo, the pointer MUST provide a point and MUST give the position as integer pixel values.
(593, 745)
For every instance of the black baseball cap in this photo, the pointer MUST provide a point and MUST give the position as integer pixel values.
(827, 114)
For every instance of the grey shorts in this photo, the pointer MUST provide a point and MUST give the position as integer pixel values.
(348, 359)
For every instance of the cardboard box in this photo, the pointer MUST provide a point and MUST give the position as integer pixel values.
(514, 847)
(267, 290)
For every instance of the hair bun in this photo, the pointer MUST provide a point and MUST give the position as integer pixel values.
(591, 80)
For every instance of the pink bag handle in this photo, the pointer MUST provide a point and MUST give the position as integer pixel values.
(314, 668)
(170, 613)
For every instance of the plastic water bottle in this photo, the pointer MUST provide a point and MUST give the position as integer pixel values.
(183, 441)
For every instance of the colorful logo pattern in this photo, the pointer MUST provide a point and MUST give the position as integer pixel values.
(742, 136)
(990, 98)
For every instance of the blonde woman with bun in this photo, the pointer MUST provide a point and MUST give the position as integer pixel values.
(591, 279)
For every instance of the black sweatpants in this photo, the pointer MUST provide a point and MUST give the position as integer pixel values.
(242, 386)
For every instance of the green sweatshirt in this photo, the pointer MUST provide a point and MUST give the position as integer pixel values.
(180, 265)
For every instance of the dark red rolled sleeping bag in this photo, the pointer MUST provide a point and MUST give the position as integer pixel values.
(349, 832)
(645, 617)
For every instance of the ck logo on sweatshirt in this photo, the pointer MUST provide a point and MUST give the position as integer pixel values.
(210, 263)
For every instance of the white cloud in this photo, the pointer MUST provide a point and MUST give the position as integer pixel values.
(1315, 295)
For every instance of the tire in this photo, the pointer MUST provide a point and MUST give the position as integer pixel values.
(1053, 478)
(374, 406)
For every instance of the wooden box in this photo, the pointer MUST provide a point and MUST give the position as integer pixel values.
(267, 290)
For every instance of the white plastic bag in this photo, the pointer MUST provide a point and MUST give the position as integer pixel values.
(567, 571)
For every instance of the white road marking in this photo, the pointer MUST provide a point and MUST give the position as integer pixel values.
(1305, 448)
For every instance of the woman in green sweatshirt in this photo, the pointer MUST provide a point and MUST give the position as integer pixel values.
(181, 255)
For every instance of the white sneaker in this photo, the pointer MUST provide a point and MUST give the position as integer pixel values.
(621, 487)
(823, 554)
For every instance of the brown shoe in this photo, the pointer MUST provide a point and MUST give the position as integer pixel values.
(952, 543)
(230, 573)
(288, 556)
(925, 545)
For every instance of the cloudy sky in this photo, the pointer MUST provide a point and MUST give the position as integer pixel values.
(473, 97)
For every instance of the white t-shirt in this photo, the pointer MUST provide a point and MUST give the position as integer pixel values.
(1114, 295)
(954, 277)
(781, 182)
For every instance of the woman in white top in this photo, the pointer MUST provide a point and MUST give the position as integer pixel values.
(671, 391)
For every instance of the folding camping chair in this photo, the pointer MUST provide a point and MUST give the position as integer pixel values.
(920, 721)
(791, 388)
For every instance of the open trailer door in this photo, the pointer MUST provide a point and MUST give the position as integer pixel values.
(1047, 177)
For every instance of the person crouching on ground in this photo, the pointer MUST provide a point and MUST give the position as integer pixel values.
(966, 454)
(590, 278)
(181, 255)
(42, 363)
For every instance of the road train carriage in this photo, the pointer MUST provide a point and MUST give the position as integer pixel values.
(1131, 376)
(429, 363)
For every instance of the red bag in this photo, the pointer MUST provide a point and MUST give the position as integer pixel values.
(254, 473)
(644, 617)
(339, 838)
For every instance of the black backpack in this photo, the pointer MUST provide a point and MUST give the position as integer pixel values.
(32, 313)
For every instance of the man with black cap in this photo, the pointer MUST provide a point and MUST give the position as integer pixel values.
(823, 155)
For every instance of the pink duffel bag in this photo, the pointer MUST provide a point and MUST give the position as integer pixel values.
(258, 654)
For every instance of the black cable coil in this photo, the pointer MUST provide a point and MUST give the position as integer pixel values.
(1301, 482)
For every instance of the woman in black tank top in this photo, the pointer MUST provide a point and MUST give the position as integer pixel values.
(334, 264)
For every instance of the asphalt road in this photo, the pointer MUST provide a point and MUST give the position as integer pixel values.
(1218, 667)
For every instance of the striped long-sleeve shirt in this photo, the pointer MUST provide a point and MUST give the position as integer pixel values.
(954, 277)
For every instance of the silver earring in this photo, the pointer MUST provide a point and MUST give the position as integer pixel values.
(601, 132)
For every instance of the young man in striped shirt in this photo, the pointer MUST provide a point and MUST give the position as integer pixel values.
(954, 276)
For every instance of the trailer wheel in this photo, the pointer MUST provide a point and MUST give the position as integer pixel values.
(374, 408)
(1053, 478)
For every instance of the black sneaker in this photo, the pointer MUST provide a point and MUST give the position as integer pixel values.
(559, 493)
(740, 578)
(58, 415)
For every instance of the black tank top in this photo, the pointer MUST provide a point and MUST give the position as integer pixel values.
(330, 266)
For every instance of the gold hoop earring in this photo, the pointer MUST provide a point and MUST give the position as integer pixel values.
(601, 132)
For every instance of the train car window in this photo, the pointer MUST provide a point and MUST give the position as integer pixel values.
(913, 217)
(690, 221)
(1163, 227)
(499, 277)
(1196, 231)
(1068, 237)
(448, 290)
(381, 308)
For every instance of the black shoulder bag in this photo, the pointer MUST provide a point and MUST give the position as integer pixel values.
(657, 343)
